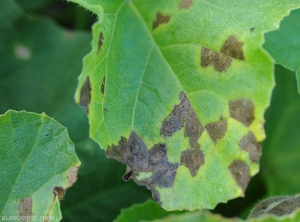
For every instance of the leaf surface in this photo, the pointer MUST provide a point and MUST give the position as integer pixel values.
(177, 90)
(37, 164)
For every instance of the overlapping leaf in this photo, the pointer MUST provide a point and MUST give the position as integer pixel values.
(280, 162)
(284, 44)
(177, 91)
(37, 164)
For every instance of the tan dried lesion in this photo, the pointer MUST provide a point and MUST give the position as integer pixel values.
(185, 4)
(160, 19)
(25, 208)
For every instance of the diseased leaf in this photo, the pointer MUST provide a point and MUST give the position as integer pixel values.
(279, 206)
(46, 82)
(280, 162)
(284, 44)
(177, 90)
(38, 164)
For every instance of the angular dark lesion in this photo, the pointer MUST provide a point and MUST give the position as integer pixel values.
(100, 42)
(160, 19)
(242, 110)
(216, 130)
(221, 61)
(193, 159)
(85, 93)
(103, 86)
(240, 173)
(250, 144)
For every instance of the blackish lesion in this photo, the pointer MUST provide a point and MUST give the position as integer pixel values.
(100, 42)
(221, 61)
(160, 19)
(85, 93)
(103, 86)
(134, 153)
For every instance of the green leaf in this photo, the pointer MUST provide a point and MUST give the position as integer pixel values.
(37, 164)
(46, 82)
(148, 210)
(280, 162)
(177, 91)
(283, 44)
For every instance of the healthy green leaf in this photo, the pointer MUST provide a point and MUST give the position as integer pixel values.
(37, 164)
(177, 91)
(280, 160)
(283, 44)
(146, 211)
(46, 82)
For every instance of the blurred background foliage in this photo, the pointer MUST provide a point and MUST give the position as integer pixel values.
(42, 44)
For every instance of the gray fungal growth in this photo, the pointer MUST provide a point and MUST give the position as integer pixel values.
(160, 19)
(85, 93)
(249, 144)
(221, 61)
(242, 110)
(216, 130)
(133, 152)
(240, 172)
(192, 159)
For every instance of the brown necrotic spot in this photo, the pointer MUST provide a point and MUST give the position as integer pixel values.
(85, 93)
(59, 192)
(25, 208)
(100, 42)
(192, 159)
(103, 85)
(242, 110)
(233, 48)
(133, 152)
(216, 130)
(72, 176)
(240, 172)
(193, 129)
(249, 144)
(219, 61)
(185, 4)
(160, 19)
